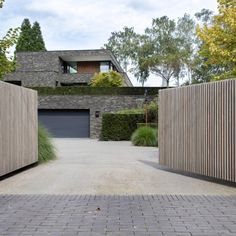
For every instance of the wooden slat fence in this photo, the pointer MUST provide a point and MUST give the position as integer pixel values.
(18, 127)
(197, 129)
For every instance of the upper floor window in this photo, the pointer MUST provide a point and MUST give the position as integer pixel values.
(69, 67)
(104, 66)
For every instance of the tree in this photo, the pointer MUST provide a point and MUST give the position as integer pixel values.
(219, 42)
(185, 32)
(9, 40)
(204, 16)
(123, 45)
(142, 51)
(38, 42)
(24, 43)
(31, 39)
(107, 79)
(166, 46)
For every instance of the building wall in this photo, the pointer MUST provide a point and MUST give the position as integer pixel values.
(37, 62)
(94, 103)
(34, 79)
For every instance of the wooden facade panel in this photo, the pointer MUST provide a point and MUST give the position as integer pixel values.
(197, 129)
(89, 67)
(18, 127)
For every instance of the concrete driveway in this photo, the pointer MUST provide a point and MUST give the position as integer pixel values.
(86, 166)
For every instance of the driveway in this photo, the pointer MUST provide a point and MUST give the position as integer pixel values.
(114, 189)
(86, 166)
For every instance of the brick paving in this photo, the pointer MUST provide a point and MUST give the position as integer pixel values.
(138, 215)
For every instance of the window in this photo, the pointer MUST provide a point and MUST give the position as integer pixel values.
(69, 67)
(104, 66)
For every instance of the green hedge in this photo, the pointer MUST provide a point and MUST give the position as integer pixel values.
(119, 126)
(86, 90)
(152, 125)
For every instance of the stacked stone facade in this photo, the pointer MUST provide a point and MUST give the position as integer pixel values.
(95, 104)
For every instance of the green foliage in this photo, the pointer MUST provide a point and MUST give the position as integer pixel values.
(131, 111)
(38, 42)
(119, 126)
(6, 61)
(219, 43)
(96, 91)
(107, 79)
(165, 48)
(25, 39)
(152, 111)
(171, 46)
(145, 136)
(46, 150)
(30, 39)
(152, 125)
(123, 45)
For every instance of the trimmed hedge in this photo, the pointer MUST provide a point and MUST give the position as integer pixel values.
(87, 90)
(118, 127)
(152, 125)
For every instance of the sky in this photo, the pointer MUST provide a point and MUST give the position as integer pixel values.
(87, 24)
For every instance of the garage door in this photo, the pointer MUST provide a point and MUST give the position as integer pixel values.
(66, 123)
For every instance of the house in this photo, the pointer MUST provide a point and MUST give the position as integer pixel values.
(62, 68)
(71, 108)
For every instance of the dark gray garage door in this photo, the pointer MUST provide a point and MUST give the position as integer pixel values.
(66, 123)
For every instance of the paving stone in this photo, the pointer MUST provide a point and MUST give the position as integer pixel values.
(88, 215)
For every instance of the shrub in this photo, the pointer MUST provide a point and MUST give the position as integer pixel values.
(131, 111)
(119, 126)
(107, 79)
(145, 136)
(46, 150)
(152, 110)
(152, 125)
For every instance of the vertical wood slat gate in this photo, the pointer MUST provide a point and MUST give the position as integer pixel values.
(197, 129)
(18, 127)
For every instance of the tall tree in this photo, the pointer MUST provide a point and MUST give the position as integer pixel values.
(219, 42)
(123, 45)
(166, 51)
(185, 32)
(38, 42)
(31, 39)
(25, 40)
(9, 40)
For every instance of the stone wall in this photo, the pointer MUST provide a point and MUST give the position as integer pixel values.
(34, 79)
(100, 104)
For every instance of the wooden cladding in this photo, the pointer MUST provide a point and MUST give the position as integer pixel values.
(197, 129)
(88, 67)
(18, 127)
